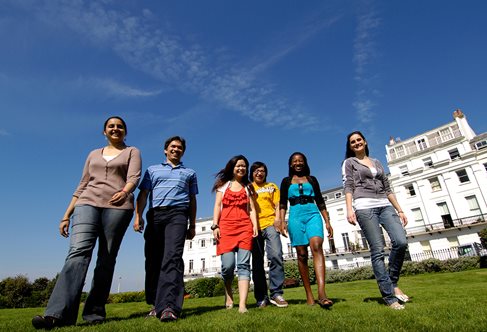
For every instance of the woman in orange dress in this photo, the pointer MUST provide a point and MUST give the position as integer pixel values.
(234, 226)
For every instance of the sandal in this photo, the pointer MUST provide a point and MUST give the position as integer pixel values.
(325, 302)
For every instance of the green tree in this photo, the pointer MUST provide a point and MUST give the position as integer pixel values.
(15, 292)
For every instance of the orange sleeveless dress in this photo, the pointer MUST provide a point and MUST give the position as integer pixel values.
(235, 224)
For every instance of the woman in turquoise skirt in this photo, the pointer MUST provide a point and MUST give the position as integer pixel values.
(305, 225)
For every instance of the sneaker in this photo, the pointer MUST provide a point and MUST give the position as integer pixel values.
(279, 301)
(46, 322)
(262, 304)
(168, 315)
(397, 306)
(152, 313)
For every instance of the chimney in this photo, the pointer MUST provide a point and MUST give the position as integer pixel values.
(391, 140)
(458, 114)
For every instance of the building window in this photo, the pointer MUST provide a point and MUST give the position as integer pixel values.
(400, 151)
(485, 166)
(410, 190)
(453, 241)
(454, 154)
(325, 198)
(203, 228)
(203, 243)
(425, 245)
(404, 170)
(346, 241)
(338, 195)
(435, 184)
(393, 154)
(421, 143)
(428, 162)
(418, 215)
(481, 145)
(190, 244)
(364, 240)
(462, 176)
(473, 205)
(446, 134)
(203, 265)
(331, 244)
(191, 265)
(340, 212)
(214, 241)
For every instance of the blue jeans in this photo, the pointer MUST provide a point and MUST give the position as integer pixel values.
(273, 248)
(88, 224)
(243, 264)
(370, 221)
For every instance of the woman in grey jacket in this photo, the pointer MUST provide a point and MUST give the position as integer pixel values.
(374, 205)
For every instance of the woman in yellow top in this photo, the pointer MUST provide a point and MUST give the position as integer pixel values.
(267, 206)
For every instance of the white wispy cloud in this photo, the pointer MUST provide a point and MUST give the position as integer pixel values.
(118, 89)
(141, 41)
(365, 53)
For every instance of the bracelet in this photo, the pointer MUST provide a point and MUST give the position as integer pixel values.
(214, 226)
(400, 212)
(125, 192)
(65, 219)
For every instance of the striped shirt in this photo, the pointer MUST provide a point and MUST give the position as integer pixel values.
(169, 186)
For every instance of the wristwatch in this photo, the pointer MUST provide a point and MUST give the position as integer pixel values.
(214, 226)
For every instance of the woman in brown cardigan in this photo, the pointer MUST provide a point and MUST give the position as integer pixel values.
(101, 209)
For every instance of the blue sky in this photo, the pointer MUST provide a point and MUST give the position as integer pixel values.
(259, 78)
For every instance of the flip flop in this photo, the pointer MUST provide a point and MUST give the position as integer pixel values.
(325, 302)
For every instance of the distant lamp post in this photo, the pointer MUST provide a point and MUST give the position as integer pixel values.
(119, 281)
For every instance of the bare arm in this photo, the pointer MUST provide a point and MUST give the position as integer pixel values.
(402, 216)
(253, 217)
(192, 217)
(326, 217)
(64, 224)
(351, 217)
(217, 213)
(282, 213)
(140, 204)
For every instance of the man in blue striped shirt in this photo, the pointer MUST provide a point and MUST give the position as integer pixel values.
(171, 189)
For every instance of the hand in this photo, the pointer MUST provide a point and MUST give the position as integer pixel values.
(216, 233)
(255, 231)
(118, 198)
(283, 229)
(403, 218)
(351, 217)
(64, 228)
(277, 225)
(329, 229)
(191, 232)
(139, 224)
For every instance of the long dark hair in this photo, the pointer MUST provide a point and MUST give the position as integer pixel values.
(226, 174)
(257, 164)
(305, 172)
(115, 117)
(349, 152)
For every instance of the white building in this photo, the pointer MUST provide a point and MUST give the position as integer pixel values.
(440, 180)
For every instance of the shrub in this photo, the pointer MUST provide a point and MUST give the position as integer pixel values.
(291, 271)
(126, 297)
(202, 287)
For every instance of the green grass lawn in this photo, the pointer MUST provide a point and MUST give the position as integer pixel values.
(439, 302)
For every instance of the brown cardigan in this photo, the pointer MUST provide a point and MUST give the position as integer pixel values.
(101, 179)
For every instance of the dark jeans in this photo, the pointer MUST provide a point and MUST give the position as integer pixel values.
(164, 266)
(272, 240)
(88, 224)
